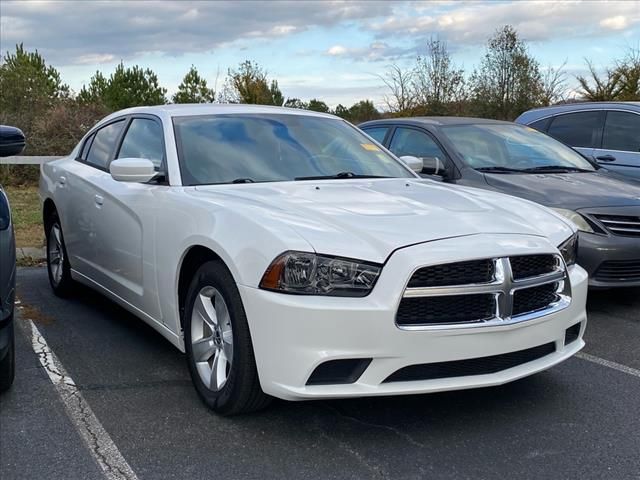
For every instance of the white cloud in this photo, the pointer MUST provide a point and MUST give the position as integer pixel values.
(615, 23)
(336, 50)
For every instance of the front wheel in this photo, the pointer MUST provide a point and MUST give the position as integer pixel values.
(57, 260)
(218, 344)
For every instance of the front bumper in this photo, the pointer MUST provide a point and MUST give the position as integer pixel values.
(292, 335)
(597, 253)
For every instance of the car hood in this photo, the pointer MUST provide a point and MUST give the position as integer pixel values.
(568, 190)
(369, 219)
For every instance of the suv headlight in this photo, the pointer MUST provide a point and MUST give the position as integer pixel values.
(312, 274)
(576, 218)
(569, 250)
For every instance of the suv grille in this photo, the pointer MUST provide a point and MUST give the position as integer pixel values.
(484, 292)
(448, 309)
(619, 271)
(621, 225)
(532, 265)
(474, 271)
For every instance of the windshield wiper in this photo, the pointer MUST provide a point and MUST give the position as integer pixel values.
(340, 175)
(498, 170)
(555, 169)
(243, 180)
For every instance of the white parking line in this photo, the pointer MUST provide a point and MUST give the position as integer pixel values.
(102, 448)
(608, 363)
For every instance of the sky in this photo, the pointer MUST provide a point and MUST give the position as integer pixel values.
(331, 50)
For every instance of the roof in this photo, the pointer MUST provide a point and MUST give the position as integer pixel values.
(436, 121)
(187, 109)
(543, 112)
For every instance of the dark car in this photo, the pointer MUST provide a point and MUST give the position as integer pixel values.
(607, 131)
(11, 143)
(520, 161)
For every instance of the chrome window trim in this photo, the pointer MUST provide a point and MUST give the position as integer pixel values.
(503, 287)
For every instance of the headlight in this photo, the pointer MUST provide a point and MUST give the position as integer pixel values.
(311, 274)
(576, 218)
(569, 250)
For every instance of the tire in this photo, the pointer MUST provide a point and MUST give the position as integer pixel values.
(216, 331)
(58, 266)
(8, 363)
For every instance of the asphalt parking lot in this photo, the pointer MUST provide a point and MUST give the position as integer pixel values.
(579, 420)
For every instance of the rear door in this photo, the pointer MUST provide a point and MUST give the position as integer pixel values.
(581, 130)
(620, 149)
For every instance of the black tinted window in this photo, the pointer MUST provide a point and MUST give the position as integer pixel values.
(377, 133)
(103, 144)
(541, 125)
(407, 141)
(576, 129)
(143, 140)
(622, 132)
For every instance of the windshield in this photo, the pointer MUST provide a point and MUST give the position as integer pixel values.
(512, 147)
(243, 148)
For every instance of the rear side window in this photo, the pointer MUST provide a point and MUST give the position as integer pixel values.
(622, 132)
(377, 133)
(541, 125)
(143, 140)
(577, 129)
(103, 144)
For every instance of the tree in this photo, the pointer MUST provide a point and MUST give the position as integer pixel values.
(341, 111)
(629, 71)
(193, 89)
(28, 88)
(554, 85)
(436, 81)
(401, 97)
(317, 106)
(249, 84)
(600, 87)
(126, 87)
(508, 81)
(360, 112)
(295, 103)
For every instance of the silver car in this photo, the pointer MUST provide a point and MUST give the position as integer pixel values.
(607, 131)
(11, 143)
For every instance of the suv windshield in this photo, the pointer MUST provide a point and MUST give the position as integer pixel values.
(247, 148)
(512, 148)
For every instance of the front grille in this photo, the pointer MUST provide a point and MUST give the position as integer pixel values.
(469, 367)
(621, 224)
(533, 299)
(618, 271)
(532, 265)
(460, 273)
(446, 309)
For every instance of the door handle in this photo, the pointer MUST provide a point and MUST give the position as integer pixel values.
(606, 158)
(62, 180)
(99, 199)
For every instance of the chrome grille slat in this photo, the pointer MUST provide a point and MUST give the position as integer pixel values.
(620, 224)
(531, 298)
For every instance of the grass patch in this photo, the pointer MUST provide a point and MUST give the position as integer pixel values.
(26, 214)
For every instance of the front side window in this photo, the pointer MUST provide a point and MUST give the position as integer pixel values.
(143, 140)
(504, 146)
(103, 144)
(577, 129)
(237, 148)
(407, 141)
(622, 132)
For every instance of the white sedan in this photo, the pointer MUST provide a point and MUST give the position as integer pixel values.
(290, 255)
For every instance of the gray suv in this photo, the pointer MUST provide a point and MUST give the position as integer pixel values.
(11, 143)
(608, 132)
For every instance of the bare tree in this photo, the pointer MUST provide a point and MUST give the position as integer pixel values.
(437, 82)
(400, 84)
(600, 87)
(554, 84)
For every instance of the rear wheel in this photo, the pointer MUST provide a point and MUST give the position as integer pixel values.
(218, 344)
(57, 260)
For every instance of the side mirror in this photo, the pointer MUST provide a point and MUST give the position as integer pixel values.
(414, 163)
(433, 166)
(136, 170)
(12, 141)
